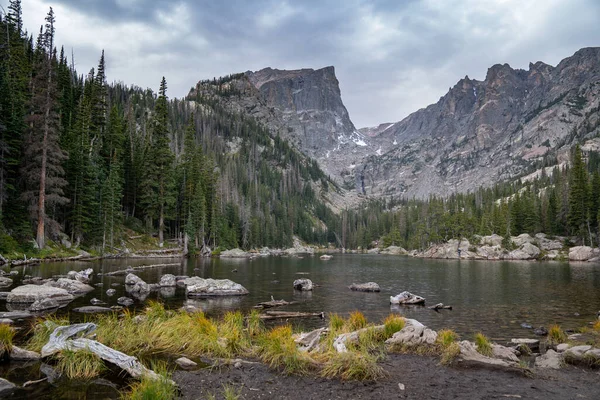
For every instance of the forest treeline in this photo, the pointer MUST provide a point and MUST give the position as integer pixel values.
(86, 161)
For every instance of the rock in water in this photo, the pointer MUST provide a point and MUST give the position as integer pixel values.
(200, 287)
(235, 253)
(551, 360)
(167, 280)
(31, 293)
(71, 286)
(185, 363)
(111, 292)
(365, 287)
(326, 257)
(92, 309)
(81, 276)
(303, 284)
(541, 331)
(407, 298)
(43, 305)
(5, 282)
(6, 387)
(136, 285)
(125, 301)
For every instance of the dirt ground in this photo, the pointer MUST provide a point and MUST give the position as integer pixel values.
(422, 377)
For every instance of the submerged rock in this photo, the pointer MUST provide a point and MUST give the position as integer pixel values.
(365, 287)
(407, 298)
(303, 284)
(70, 285)
(168, 280)
(43, 305)
(200, 287)
(92, 309)
(125, 301)
(12, 315)
(31, 293)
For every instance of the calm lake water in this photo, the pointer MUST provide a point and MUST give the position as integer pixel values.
(491, 297)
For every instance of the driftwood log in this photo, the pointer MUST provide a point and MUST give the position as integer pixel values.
(289, 314)
(70, 338)
(274, 303)
(440, 306)
(139, 268)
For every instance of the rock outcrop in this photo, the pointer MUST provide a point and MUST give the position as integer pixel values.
(200, 287)
(365, 287)
(33, 293)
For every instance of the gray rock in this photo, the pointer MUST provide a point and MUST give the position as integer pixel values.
(199, 287)
(136, 286)
(561, 348)
(394, 250)
(71, 286)
(592, 355)
(97, 302)
(541, 331)
(582, 253)
(43, 305)
(125, 301)
(31, 293)
(49, 372)
(235, 253)
(19, 354)
(308, 341)
(81, 276)
(551, 360)
(111, 292)
(13, 315)
(168, 280)
(303, 284)
(413, 334)
(3, 295)
(575, 353)
(376, 250)
(407, 298)
(6, 321)
(6, 387)
(533, 344)
(504, 353)
(470, 356)
(326, 257)
(5, 282)
(186, 363)
(365, 287)
(92, 309)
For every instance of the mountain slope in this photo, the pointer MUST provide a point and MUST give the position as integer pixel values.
(482, 132)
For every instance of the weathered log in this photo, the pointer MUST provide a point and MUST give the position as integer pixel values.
(138, 268)
(274, 303)
(440, 306)
(289, 314)
(69, 338)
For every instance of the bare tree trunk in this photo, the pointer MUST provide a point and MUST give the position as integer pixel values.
(161, 226)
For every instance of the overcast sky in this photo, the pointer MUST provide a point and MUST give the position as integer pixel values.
(391, 57)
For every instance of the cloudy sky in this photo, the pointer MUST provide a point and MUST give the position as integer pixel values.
(392, 57)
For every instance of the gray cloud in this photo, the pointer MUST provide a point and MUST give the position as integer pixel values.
(391, 57)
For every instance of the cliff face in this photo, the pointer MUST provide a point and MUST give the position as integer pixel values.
(482, 132)
(479, 133)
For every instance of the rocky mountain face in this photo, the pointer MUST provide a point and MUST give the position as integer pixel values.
(482, 132)
(479, 133)
(303, 106)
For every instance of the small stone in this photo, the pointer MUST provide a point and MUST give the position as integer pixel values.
(97, 302)
(125, 301)
(111, 292)
(526, 326)
(401, 386)
(185, 363)
(562, 347)
(238, 364)
(541, 331)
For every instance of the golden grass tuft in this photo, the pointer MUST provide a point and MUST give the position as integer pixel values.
(336, 323)
(446, 337)
(393, 323)
(150, 389)
(82, 364)
(352, 365)
(596, 326)
(556, 335)
(355, 321)
(449, 353)
(278, 349)
(254, 323)
(7, 334)
(483, 344)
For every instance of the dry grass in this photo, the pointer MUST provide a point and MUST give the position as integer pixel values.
(556, 335)
(7, 334)
(151, 389)
(353, 365)
(355, 321)
(483, 344)
(278, 349)
(393, 323)
(79, 364)
(41, 331)
(449, 353)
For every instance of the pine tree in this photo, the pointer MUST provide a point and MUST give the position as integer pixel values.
(44, 156)
(578, 196)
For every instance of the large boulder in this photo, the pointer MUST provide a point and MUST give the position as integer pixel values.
(200, 287)
(31, 293)
(235, 253)
(70, 285)
(407, 298)
(365, 287)
(5, 282)
(551, 359)
(450, 249)
(303, 284)
(167, 280)
(136, 285)
(470, 356)
(394, 250)
(489, 252)
(582, 253)
(522, 239)
(414, 333)
(492, 240)
(527, 251)
(81, 276)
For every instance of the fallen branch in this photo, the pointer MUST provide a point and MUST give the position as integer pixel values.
(69, 338)
(288, 314)
(138, 268)
(440, 306)
(274, 303)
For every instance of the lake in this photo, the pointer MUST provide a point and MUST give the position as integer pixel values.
(491, 297)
